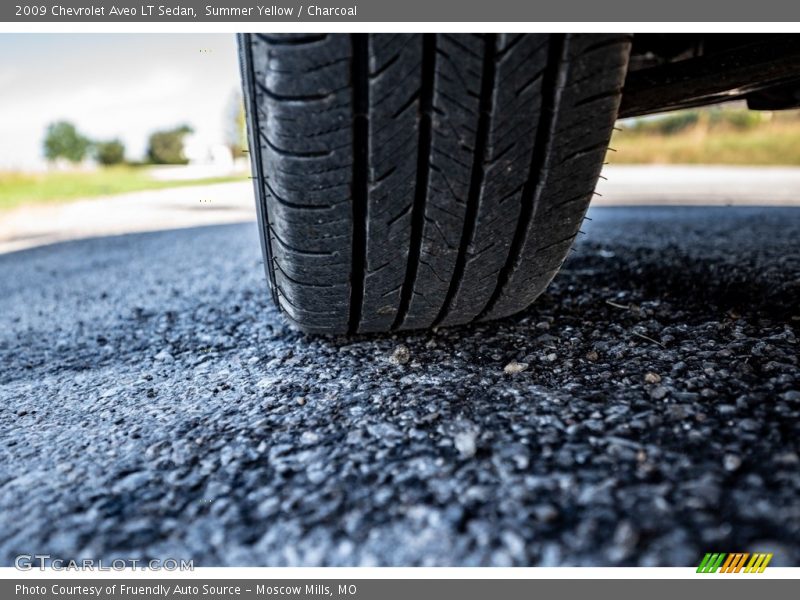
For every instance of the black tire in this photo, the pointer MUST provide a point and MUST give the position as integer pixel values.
(414, 180)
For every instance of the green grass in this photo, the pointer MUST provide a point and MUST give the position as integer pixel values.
(764, 141)
(18, 188)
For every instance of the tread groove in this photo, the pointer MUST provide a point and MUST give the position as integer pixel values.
(589, 99)
(527, 84)
(360, 186)
(307, 284)
(294, 205)
(614, 41)
(582, 151)
(539, 157)
(406, 105)
(296, 250)
(295, 97)
(384, 67)
(291, 153)
(423, 174)
(292, 41)
(477, 174)
(519, 37)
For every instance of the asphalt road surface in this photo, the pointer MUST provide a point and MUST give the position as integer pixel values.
(155, 405)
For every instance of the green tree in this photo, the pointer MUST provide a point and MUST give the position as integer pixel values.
(166, 147)
(62, 140)
(111, 152)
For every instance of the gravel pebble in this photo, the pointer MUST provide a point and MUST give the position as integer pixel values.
(400, 355)
(732, 462)
(466, 443)
(651, 377)
(515, 367)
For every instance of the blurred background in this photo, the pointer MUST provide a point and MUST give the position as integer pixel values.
(84, 102)
(105, 134)
(154, 123)
(728, 134)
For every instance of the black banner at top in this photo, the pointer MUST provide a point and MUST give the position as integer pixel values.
(257, 11)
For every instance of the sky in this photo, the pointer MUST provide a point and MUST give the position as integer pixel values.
(112, 86)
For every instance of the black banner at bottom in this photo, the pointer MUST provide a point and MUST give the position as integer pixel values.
(729, 587)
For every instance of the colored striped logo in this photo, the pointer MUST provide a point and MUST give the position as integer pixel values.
(734, 563)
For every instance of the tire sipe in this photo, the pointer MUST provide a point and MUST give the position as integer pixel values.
(409, 181)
